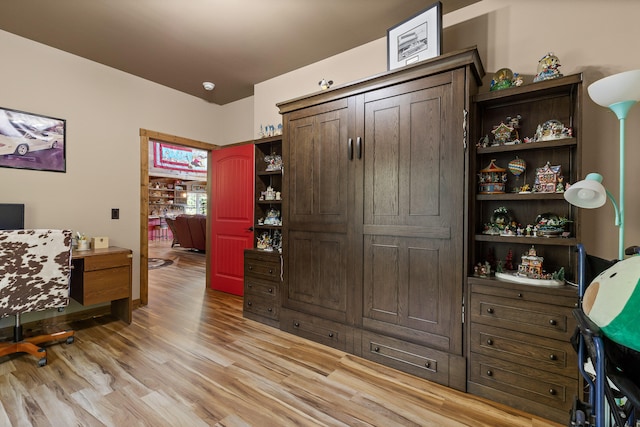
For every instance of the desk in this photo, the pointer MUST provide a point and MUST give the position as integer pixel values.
(103, 275)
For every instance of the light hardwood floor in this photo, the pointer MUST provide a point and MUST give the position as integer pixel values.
(190, 359)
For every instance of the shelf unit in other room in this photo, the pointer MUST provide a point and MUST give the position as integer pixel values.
(180, 197)
(263, 263)
(494, 362)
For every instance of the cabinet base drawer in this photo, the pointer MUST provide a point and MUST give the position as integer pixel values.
(262, 306)
(413, 359)
(547, 354)
(316, 329)
(528, 317)
(260, 287)
(265, 265)
(530, 389)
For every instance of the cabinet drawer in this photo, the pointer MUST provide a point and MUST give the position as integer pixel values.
(315, 329)
(536, 352)
(98, 286)
(563, 297)
(259, 287)
(261, 306)
(523, 384)
(260, 268)
(414, 359)
(92, 263)
(524, 316)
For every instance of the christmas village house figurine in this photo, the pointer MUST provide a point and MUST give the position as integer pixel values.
(530, 271)
(549, 179)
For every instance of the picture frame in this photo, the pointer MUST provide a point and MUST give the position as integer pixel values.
(415, 39)
(32, 141)
(179, 158)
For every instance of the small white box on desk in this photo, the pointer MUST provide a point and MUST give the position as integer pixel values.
(100, 242)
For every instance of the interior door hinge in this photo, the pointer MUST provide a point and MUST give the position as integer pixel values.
(465, 114)
(462, 311)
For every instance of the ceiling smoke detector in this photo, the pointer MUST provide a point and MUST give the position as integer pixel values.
(208, 85)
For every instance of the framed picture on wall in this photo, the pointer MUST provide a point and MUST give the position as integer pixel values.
(416, 39)
(32, 141)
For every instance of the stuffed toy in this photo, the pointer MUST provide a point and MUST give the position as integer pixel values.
(612, 302)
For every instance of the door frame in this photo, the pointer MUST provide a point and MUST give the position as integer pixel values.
(145, 136)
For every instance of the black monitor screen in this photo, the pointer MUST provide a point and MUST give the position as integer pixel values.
(11, 216)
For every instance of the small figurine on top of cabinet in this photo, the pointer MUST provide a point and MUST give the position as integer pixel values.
(548, 68)
(505, 78)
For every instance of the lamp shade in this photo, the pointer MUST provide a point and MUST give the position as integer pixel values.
(588, 193)
(616, 88)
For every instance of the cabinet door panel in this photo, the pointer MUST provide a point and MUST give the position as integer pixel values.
(413, 189)
(318, 162)
(317, 274)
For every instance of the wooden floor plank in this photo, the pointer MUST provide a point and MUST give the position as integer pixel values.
(189, 358)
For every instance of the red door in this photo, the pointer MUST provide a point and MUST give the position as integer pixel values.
(231, 216)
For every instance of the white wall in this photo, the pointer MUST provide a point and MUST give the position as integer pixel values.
(589, 36)
(104, 109)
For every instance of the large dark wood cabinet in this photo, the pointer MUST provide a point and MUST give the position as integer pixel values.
(518, 334)
(374, 242)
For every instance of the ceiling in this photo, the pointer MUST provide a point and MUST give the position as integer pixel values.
(232, 43)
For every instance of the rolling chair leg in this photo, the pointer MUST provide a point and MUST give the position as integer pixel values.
(30, 345)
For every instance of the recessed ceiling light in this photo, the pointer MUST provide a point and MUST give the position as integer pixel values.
(208, 85)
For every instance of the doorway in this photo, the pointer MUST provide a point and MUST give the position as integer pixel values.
(145, 137)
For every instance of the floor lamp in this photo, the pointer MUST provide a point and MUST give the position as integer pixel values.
(619, 93)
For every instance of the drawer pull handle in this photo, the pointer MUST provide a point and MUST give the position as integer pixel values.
(427, 365)
(330, 334)
(270, 271)
(249, 285)
(296, 324)
(489, 341)
(250, 267)
(489, 373)
(552, 322)
(519, 295)
(552, 392)
(490, 310)
(270, 290)
(269, 309)
(553, 357)
(249, 303)
(376, 349)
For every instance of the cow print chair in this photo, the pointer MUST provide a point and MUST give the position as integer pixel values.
(35, 274)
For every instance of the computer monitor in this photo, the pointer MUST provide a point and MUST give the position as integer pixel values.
(11, 216)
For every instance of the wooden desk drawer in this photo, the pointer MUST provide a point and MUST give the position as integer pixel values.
(98, 286)
(107, 261)
(537, 352)
(530, 317)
